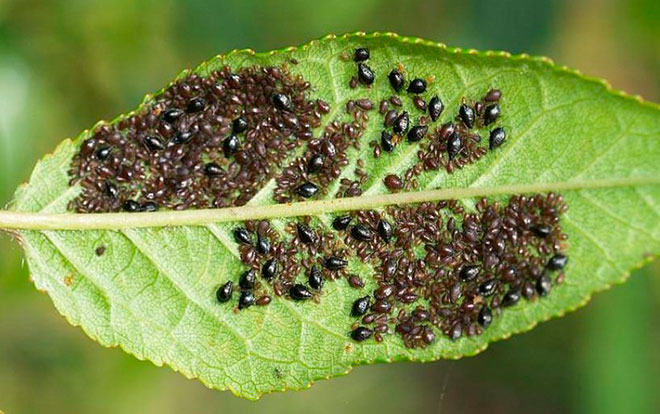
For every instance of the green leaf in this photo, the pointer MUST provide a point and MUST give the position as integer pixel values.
(152, 292)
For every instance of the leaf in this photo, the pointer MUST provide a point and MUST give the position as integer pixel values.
(153, 290)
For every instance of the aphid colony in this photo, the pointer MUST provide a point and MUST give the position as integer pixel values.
(437, 266)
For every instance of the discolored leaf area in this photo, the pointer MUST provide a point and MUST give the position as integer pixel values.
(147, 281)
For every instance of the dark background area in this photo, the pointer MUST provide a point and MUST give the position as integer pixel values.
(66, 64)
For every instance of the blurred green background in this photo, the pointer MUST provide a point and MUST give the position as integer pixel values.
(65, 64)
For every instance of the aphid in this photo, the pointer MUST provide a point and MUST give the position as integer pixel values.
(386, 141)
(417, 86)
(393, 182)
(446, 130)
(396, 80)
(248, 279)
(100, 250)
(543, 285)
(171, 115)
(491, 114)
(435, 108)
(341, 222)
(466, 113)
(419, 103)
(196, 104)
(511, 298)
(493, 95)
(131, 206)
(497, 137)
(469, 272)
(230, 145)
(454, 145)
(401, 122)
(263, 300)
(269, 269)
(361, 333)
(384, 291)
(224, 292)
(315, 163)
(417, 132)
(212, 169)
(154, 143)
(381, 306)
(355, 282)
(246, 299)
(365, 74)
(300, 292)
(487, 288)
(111, 190)
(305, 234)
(263, 244)
(182, 137)
(542, 230)
(239, 125)
(360, 306)
(103, 153)
(242, 235)
(334, 263)
(315, 278)
(485, 317)
(456, 331)
(361, 54)
(557, 262)
(149, 206)
(385, 230)
(307, 189)
(362, 233)
(282, 102)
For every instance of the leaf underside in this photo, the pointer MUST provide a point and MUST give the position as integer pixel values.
(153, 290)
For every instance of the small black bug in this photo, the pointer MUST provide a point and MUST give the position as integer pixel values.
(239, 125)
(386, 141)
(466, 113)
(307, 189)
(469, 272)
(103, 153)
(212, 169)
(485, 317)
(361, 54)
(182, 137)
(171, 115)
(149, 207)
(341, 222)
(396, 80)
(248, 280)
(269, 269)
(497, 137)
(385, 230)
(196, 104)
(154, 143)
(315, 163)
(454, 145)
(557, 262)
(362, 233)
(111, 190)
(315, 278)
(263, 244)
(334, 263)
(542, 230)
(417, 86)
(305, 234)
(242, 235)
(543, 285)
(417, 132)
(491, 114)
(365, 74)
(511, 298)
(401, 123)
(246, 299)
(230, 145)
(131, 206)
(360, 306)
(224, 292)
(487, 288)
(435, 108)
(361, 333)
(300, 292)
(282, 102)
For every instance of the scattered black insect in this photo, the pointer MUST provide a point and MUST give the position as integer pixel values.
(171, 115)
(469, 272)
(246, 299)
(485, 317)
(315, 163)
(557, 262)
(334, 263)
(282, 102)
(497, 137)
(269, 269)
(491, 114)
(212, 169)
(511, 298)
(543, 285)
(111, 190)
(100, 250)
(196, 104)
(466, 113)
(103, 153)
(360, 306)
(149, 206)
(306, 234)
(454, 145)
(263, 244)
(365, 74)
(542, 230)
(230, 145)
(224, 292)
(417, 86)
(396, 80)
(182, 137)
(401, 123)
(417, 133)
(341, 222)
(242, 235)
(307, 190)
(131, 206)
(315, 279)
(488, 287)
(386, 141)
(435, 108)
(385, 230)
(362, 233)
(248, 279)
(154, 143)
(239, 125)
(361, 54)
(300, 292)
(361, 333)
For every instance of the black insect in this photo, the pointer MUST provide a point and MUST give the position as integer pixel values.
(171, 115)
(305, 234)
(212, 169)
(131, 206)
(341, 222)
(511, 297)
(454, 145)
(230, 145)
(385, 230)
(263, 244)
(315, 278)
(435, 108)
(111, 190)
(334, 263)
(361, 54)
(360, 306)
(466, 113)
(246, 299)
(315, 163)
(149, 206)
(224, 292)
(196, 104)
(469, 272)
(282, 102)
(269, 269)
(542, 230)
(497, 137)
(248, 279)
(182, 137)
(396, 80)
(417, 86)
(386, 141)
(487, 288)
(417, 132)
(239, 125)
(365, 74)
(242, 235)
(543, 285)
(557, 262)
(491, 114)
(401, 123)
(154, 143)
(103, 153)
(361, 333)
(362, 233)
(300, 292)
(485, 317)
(307, 189)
